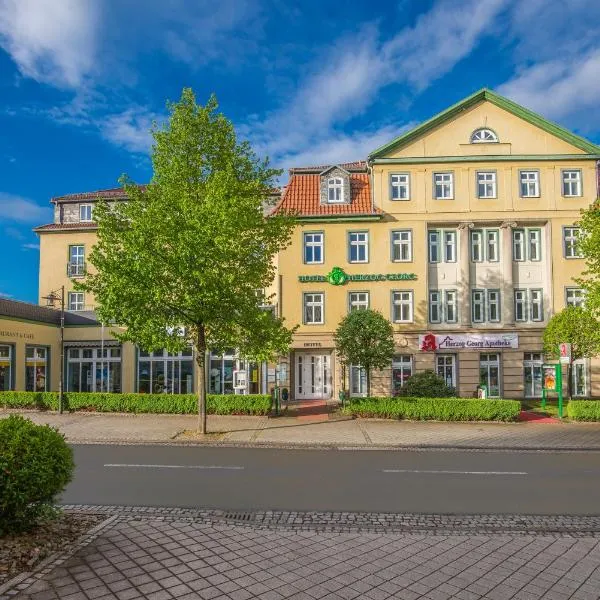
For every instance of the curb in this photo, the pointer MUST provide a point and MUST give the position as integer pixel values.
(333, 446)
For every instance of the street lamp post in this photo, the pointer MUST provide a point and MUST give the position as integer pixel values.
(51, 298)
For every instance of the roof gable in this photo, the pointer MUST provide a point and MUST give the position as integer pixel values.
(497, 100)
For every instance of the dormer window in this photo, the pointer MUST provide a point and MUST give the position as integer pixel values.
(85, 213)
(483, 136)
(335, 186)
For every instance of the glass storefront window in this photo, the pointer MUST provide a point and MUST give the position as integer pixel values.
(36, 369)
(93, 370)
(220, 374)
(401, 371)
(445, 367)
(5, 368)
(489, 373)
(161, 372)
(579, 376)
(532, 366)
(358, 381)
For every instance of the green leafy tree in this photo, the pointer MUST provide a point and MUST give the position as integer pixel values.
(577, 326)
(589, 248)
(365, 338)
(180, 263)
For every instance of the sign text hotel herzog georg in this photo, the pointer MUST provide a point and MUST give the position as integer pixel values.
(337, 276)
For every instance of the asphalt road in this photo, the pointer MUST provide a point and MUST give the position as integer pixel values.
(333, 480)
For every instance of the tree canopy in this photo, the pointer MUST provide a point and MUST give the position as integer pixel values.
(589, 248)
(184, 260)
(365, 338)
(573, 325)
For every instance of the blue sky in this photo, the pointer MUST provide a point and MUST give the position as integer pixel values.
(307, 82)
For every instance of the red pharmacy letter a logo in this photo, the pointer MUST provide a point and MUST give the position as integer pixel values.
(428, 344)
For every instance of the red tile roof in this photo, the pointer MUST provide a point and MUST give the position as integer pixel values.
(66, 226)
(302, 196)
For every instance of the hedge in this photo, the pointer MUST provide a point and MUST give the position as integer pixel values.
(225, 404)
(583, 410)
(439, 409)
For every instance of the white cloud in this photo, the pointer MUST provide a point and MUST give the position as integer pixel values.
(129, 129)
(50, 41)
(346, 80)
(22, 210)
(558, 88)
(30, 246)
(4, 295)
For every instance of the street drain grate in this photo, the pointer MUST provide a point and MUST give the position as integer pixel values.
(239, 516)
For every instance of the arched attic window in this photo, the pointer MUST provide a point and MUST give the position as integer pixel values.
(483, 136)
(335, 187)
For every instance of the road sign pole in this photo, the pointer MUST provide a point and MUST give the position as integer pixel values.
(560, 390)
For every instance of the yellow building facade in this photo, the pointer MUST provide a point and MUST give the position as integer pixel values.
(461, 232)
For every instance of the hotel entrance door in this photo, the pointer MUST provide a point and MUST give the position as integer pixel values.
(313, 376)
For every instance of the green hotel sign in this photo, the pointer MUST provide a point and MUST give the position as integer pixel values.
(337, 276)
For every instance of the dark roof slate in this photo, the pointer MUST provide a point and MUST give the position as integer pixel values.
(16, 309)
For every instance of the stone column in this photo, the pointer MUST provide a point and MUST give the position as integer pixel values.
(508, 299)
(464, 265)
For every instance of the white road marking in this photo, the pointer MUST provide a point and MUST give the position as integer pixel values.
(455, 472)
(207, 467)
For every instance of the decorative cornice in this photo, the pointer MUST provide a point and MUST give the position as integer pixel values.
(415, 160)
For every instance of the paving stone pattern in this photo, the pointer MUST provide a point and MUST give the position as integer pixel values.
(159, 559)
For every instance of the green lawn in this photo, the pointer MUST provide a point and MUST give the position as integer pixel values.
(551, 406)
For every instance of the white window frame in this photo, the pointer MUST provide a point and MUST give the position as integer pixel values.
(493, 299)
(534, 240)
(529, 183)
(404, 364)
(443, 185)
(478, 300)
(358, 301)
(518, 242)
(435, 306)
(571, 238)
(434, 242)
(568, 183)
(449, 243)
(532, 362)
(313, 300)
(401, 240)
(536, 304)
(358, 240)
(574, 296)
(402, 299)
(486, 185)
(310, 242)
(580, 365)
(476, 242)
(76, 301)
(85, 208)
(451, 300)
(399, 187)
(483, 135)
(492, 241)
(521, 299)
(526, 238)
(335, 190)
(487, 363)
(446, 364)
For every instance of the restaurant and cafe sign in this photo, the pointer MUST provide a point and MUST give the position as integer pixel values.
(337, 276)
(475, 341)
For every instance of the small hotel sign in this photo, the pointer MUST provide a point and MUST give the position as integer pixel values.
(16, 334)
(337, 276)
(431, 342)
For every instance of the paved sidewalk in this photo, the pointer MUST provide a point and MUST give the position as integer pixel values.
(159, 558)
(127, 428)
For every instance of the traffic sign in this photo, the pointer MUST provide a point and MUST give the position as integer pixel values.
(565, 354)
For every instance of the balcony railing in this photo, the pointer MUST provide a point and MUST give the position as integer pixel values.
(75, 269)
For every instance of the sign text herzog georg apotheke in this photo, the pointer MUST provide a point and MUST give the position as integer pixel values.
(338, 276)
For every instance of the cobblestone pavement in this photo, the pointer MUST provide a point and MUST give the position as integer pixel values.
(157, 557)
(128, 428)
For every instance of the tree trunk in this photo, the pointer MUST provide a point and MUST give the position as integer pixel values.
(201, 378)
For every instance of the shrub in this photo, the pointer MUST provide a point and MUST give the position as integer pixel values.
(426, 385)
(583, 410)
(226, 404)
(439, 409)
(35, 465)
